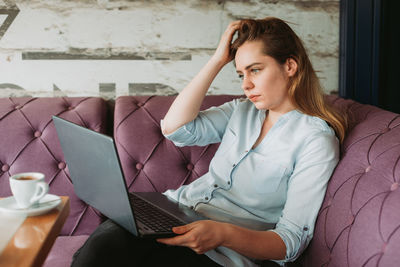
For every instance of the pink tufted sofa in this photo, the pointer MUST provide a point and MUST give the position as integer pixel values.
(359, 221)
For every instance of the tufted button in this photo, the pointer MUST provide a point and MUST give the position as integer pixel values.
(71, 108)
(37, 134)
(61, 165)
(17, 107)
(351, 220)
(383, 247)
(139, 166)
(385, 130)
(190, 166)
(368, 168)
(329, 202)
(394, 186)
(5, 168)
(140, 104)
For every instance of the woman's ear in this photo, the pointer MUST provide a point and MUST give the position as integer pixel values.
(291, 67)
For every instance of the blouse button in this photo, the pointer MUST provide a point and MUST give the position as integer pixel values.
(206, 198)
(229, 182)
(215, 185)
(191, 207)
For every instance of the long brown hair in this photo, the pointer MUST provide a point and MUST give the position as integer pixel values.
(305, 91)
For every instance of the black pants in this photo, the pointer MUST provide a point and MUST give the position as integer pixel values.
(111, 245)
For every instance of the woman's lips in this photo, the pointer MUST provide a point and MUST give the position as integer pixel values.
(253, 97)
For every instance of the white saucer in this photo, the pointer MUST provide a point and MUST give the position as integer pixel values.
(47, 203)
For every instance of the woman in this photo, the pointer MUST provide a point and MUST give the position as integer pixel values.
(277, 153)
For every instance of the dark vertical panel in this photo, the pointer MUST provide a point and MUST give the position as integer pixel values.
(389, 88)
(346, 47)
(360, 22)
(376, 51)
(363, 49)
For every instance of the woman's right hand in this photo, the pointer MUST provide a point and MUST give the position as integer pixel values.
(186, 106)
(222, 53)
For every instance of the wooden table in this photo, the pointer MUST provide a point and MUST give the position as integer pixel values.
(34, 238)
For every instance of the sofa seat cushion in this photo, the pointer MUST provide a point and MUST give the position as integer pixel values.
(29, 142)
(63, 249)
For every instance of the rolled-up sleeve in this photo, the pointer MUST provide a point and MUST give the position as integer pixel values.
(207, 128)
(306, 190)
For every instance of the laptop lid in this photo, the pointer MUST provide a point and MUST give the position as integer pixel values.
(96, 172)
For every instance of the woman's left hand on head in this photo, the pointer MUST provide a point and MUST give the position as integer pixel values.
(200, 236)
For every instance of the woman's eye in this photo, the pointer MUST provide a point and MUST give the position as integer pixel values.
(255, 70)
(241, 76)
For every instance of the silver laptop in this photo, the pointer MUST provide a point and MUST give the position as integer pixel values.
(98, 180)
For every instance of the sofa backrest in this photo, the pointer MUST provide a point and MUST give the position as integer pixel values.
(29, 142)
(150, 162)
(359, 221)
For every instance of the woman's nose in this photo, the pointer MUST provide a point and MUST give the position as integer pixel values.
(247, 84)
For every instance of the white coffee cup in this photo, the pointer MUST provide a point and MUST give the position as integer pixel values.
(28, 188)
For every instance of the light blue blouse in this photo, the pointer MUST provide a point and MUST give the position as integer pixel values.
(282, 181)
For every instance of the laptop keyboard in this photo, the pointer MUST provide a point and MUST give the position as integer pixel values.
(154, 218)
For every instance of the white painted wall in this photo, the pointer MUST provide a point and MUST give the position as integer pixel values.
(184, 32)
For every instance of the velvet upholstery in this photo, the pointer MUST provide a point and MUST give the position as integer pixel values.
(63, 250)
(359, 221)
(150, 162)
(358, 224)
(359, 210)
(29, 142)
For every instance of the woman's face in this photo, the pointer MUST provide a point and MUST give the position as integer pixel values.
(264, 80)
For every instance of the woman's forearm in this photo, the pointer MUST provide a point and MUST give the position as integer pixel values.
(187, 104)
(262, 245)
(204, 235)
